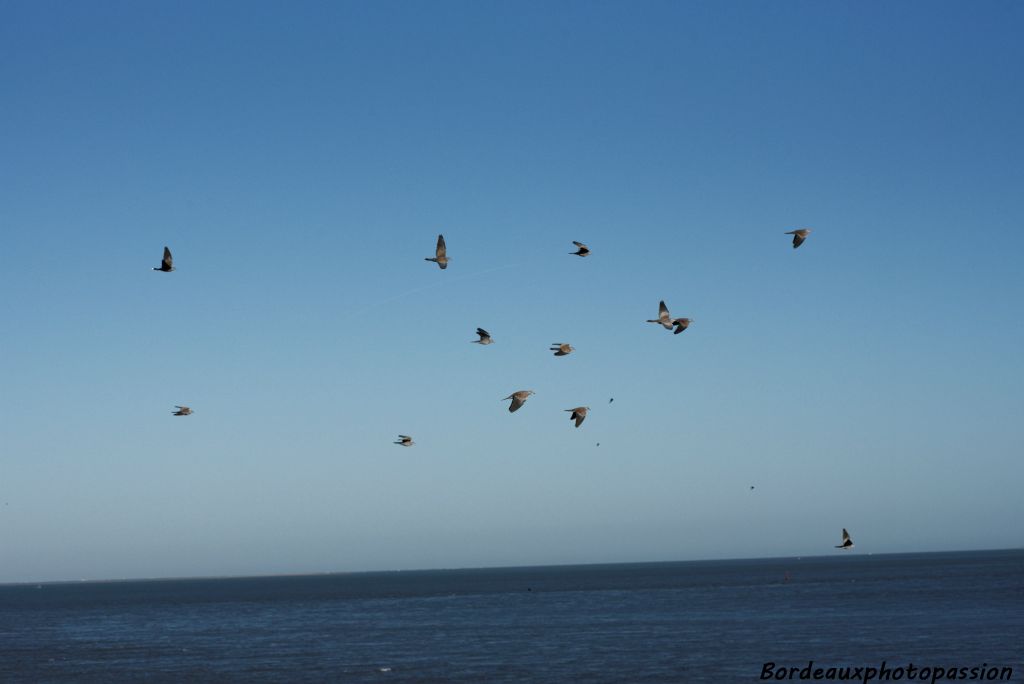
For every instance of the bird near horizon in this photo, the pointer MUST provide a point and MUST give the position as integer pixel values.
(182, 411)
(405, 440)
(485, 337)
(847, 542)
(799, 236)
(582, 251)
(440, 254)
(562, 348)
(167, 264)
(518, 399)
(578, 414)
(663, 316)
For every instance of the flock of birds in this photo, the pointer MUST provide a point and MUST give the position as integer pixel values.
(518, 398)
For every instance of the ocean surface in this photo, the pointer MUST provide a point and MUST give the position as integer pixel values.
(707, 621)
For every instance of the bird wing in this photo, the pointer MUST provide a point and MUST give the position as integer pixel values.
(663, 313)
(168, 260)
(578, 244)
(846, 536)
(516, 403)
(482, 333)
(441, 249)
(404, 437)
(798, 240)
(579, 418)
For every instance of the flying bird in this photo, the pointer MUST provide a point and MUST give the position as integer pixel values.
(799, 236)
(518, 399)
(405, 440)
(562, 348)
(582, 251)
(681, 324)
(167, 264)
(578, 414)
(485, 337)
(182, 411)
(441, 254)
(611, 400)
(847, 542)
(663, 317)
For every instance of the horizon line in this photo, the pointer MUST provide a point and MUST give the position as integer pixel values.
(185, 578)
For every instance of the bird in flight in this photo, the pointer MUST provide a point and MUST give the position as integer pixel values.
(518, 399)
(485, 337)
(440, 255)
(562, 348)
(405, 440)
(582, 251)
(663, 316)
(799, 236)
(681, 324)
(847, 542)
(167, 264)
(578, 414)
(182, 411)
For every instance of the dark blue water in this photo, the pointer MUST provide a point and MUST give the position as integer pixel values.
(714, 621)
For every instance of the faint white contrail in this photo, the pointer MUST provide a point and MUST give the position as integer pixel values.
(431, 286)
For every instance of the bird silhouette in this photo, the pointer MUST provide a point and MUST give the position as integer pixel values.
(578, 414)
(663, 316)
(518, 399)
(440, 254)
(167, 264)
(681, 324)
(799, 236)
(582, 251)
(562, 348)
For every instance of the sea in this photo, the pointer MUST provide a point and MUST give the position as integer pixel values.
(703, 621)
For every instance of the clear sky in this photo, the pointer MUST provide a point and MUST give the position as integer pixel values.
(300, 160)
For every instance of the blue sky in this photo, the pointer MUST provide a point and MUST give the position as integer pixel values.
(300, 162)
